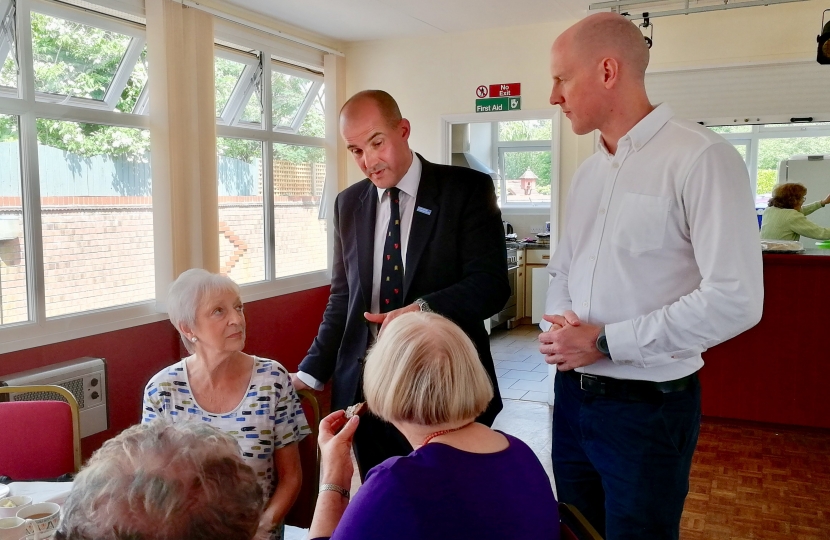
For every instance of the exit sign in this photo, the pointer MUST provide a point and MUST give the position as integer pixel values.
(505, 90)
(498, 104)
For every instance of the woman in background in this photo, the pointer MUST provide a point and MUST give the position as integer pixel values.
(463, 480)
(247, 397)
(786, 217)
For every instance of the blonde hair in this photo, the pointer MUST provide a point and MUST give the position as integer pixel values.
(425, 370)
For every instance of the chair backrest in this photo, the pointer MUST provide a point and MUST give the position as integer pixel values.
(41, 438)
(303, 510)
(574, 526)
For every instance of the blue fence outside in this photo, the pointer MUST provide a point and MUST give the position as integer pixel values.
(66, 174)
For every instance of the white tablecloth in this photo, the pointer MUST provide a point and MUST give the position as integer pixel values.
(55, 492)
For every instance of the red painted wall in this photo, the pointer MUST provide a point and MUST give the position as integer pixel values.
(280, 328)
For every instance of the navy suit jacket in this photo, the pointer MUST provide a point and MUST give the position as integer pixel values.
(455, 261)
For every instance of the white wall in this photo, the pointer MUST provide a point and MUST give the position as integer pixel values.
(438, 75)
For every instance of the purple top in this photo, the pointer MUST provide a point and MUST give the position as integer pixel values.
(440, 492)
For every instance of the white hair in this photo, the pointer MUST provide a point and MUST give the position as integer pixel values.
(187, 293)
(164, 481)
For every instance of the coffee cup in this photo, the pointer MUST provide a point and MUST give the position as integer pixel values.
(12, 528)
(9, 506)
(41, 519)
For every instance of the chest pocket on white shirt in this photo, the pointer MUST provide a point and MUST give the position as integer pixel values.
(641, 222)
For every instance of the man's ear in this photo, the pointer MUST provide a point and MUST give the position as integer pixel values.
(610, 72)
(405, 128)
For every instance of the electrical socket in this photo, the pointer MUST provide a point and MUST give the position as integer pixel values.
(537, 229)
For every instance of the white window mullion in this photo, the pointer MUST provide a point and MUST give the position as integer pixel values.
(268, 169)
(307, 103)
(30, 173)
(125, 70)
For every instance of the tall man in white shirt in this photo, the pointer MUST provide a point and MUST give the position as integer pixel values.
(659, 261)
(411, 236)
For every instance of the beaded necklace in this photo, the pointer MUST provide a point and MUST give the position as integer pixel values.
(443, 432)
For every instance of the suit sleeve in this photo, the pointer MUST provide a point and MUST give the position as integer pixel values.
(322, 356)
(484, 288)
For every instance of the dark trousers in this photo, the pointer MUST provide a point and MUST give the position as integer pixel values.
(375, 441)
(623, 463)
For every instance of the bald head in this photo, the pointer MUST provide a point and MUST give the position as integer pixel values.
(385, 104)
(608, 35)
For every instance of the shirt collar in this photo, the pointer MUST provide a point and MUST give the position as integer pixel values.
(643, 131)
(410, 181)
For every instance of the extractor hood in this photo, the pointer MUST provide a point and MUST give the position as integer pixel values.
(461, 155)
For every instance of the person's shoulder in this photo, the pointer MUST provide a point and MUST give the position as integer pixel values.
(692, 133)
(173, 372)
(354, 192)
(264, 367)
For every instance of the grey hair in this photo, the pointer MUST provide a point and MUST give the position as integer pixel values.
(186, 294)
(164, 481)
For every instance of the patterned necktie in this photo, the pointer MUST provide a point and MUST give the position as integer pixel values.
(391, 277)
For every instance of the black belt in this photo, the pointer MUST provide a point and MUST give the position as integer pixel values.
(629, 389)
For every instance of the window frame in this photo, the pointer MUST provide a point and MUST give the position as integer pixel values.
(761, 131)
(39, 331)
(500, 147)
(304, 66)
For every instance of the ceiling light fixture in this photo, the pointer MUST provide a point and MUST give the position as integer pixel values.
(646, 24)
(824, 41)
(665, 8)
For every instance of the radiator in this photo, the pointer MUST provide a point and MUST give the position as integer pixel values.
(85, 377)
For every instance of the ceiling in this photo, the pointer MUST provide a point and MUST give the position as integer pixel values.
(361, 20)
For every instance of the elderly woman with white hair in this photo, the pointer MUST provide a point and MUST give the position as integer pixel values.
(463, 480)
(164, 481)
(247, 397)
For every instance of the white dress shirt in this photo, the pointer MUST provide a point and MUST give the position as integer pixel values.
(409, 191)
(661, 246)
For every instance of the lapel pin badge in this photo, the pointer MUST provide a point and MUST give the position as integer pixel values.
(423, 210)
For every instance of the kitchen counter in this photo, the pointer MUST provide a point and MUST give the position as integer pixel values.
(777, 372)
(527, 245)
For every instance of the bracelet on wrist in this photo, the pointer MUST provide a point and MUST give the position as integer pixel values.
(336, 488)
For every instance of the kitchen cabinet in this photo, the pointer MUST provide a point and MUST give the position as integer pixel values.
(534, 259)
(520, 286)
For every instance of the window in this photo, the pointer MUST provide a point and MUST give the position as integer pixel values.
(764, 146)
(272, 168)
(13, 291)
(523, 151)
(91, 224)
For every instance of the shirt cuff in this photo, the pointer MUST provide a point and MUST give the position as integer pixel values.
(622, 343)
(309, 380)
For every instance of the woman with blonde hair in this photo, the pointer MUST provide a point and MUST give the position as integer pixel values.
(463, 480)
(786, 216)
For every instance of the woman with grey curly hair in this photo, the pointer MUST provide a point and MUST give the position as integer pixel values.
(248, 397)
(164, 481)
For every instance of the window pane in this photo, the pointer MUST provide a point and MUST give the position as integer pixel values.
(526, 130)
(253, 110)
(300, 235)
(731, 129)
(8, 71)
(13, 297)
(241, 225)
(74, 59)
(136, 83)
(527, 176)
(97, 214)
(288, 94)
(772, 151)
(227, 74)
(314, 123)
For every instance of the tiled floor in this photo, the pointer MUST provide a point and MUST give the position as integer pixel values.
(520, 368)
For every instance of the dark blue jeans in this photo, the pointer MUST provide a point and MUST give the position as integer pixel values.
(623, 463)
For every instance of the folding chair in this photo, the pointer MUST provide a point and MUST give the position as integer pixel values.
(41, 432)
(303, 510)
(574, 526)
